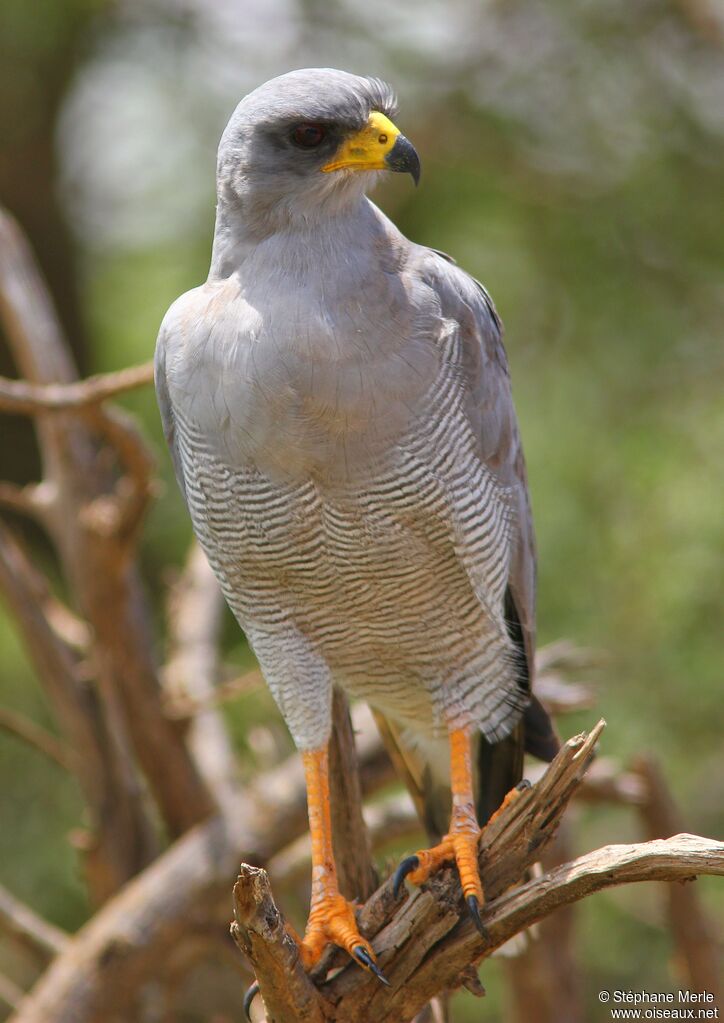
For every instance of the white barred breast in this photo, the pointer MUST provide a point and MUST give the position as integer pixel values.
(386, 577)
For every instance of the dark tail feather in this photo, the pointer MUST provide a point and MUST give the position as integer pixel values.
(540, 738)
(500, 768)
(437, 803)
(500, 765)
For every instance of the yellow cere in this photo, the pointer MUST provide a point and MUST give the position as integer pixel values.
(366, 149)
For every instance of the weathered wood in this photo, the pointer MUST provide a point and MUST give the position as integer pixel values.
(698, 955)
(93, 511)
(29, 931)
(128, 941)
(350, 839)
(258, 930)
(123, 839)
(424, 943)
(22, 398)
(189, 676)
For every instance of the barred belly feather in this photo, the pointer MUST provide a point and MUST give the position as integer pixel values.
(388, 580)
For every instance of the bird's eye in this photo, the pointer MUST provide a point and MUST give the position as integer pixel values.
(308, 136)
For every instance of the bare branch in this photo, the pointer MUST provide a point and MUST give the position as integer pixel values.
(126, 943)
(680, 858)
(124, 841)
(19, 397)
(94, 522)
(119, 514)
(27, 929)
(28, 500)
(10, 993)
(559, 696)
(425, 944)
(180, 706)
(694, 934)
(34, 735)
(352, 852)
(189, 676)
(259, 931)
(553, 664)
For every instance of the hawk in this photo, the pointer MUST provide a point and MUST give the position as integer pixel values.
(338, 408)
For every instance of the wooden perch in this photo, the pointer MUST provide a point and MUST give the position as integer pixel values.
(28, 930)
(128, 942)
(22, 398)
(424, 941)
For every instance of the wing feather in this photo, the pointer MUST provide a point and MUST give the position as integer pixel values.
(494, 423)
(166, 408)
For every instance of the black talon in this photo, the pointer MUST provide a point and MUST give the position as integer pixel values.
(409, 864)
(365, 959)
(474, 910)
(523, 785)
(249, 997)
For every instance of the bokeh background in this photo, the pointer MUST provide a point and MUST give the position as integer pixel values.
(572, 160)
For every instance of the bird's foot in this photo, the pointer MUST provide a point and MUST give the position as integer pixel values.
(332, 919)
(459, 846)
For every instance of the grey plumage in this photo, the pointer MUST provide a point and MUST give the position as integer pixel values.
(338, 407)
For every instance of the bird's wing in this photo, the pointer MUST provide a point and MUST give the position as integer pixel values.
(165, 405)
(491, 415)
(495, 426)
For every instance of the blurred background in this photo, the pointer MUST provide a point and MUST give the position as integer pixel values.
(572, 160)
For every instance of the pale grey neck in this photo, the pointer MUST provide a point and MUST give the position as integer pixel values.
(324, 238)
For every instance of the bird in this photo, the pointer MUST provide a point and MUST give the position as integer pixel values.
(337, 404)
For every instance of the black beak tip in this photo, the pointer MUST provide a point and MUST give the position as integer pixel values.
(403, 158)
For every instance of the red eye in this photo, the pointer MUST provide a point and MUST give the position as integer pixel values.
(308, 135)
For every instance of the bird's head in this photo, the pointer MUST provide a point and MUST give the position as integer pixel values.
(309, 141)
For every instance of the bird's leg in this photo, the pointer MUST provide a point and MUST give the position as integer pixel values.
(331, 917)
(461, 842)
(460, 845)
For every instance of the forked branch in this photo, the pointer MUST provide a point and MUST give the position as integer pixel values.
(424, 941)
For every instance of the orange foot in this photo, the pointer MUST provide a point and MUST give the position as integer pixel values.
(460, 845)
(332, 919)
(456, 847)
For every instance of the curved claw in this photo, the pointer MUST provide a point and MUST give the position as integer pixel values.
(365, 959)
(407, 866)
(249, 997)
(523, 785)
(474, 910)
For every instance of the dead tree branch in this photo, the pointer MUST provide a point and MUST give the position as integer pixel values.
(127, 943)
(95, 504)
(22, 398)
(353, 853)
(424, 943)
(39, 738)
(123, 839)
(259, 931)
(697, 947)
(189, 676)
(28, 930)
(10, 993)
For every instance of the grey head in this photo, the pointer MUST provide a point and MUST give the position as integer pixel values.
(307, 144)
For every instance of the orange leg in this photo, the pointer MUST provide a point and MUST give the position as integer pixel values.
(331, 917)
(460, 845)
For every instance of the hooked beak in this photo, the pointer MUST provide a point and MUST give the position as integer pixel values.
(377, 146)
